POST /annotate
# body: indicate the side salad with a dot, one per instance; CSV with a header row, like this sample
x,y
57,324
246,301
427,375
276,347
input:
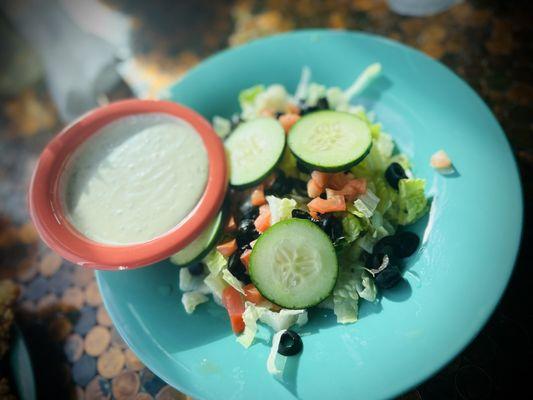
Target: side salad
x,y
317,195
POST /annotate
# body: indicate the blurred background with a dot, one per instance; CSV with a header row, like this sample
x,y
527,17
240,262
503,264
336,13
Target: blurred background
x,y
60,58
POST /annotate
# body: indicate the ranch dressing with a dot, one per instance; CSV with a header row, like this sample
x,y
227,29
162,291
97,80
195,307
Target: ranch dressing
x,y
135,179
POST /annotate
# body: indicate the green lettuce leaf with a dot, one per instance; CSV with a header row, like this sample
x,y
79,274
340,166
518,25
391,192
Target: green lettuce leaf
x,y
336,99
352,227
411,204
283,319
232,281
222,126
275,361
314,92
345,297
247,96
365,286
215,263
188,282
191,300
250,316
280,209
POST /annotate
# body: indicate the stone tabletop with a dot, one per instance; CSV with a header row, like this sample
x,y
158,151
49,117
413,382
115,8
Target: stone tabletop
x,y
74,347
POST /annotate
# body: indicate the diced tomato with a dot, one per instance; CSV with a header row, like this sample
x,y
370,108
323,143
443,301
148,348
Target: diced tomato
x,y
258,196
335,203
293,108
288,120
321,178
313,190
252,294
234,304
262,222
231,225
339,180
314,214
245,258
228,248
352,189
440,160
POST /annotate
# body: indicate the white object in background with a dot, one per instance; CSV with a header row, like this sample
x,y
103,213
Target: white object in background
x,y
98,19
79,67
421,8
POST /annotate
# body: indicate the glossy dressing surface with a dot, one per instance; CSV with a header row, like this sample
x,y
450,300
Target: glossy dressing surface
x,y
135,179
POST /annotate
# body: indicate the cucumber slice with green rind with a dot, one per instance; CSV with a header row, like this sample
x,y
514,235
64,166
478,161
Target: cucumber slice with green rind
x,y
199,247
254,149
293,264
330,141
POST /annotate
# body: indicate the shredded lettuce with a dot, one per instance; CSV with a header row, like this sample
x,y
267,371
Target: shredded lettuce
x,y
352,227
365,286
232,281
366,242
336,99
250,316
377,226
215,263
366,203
301,89
256,99
280,209
373,215
314,92
275,98
345,301
353,283
192,299
247,96
385,146
283,319
222,126
216,284
188,282
276,362
412,202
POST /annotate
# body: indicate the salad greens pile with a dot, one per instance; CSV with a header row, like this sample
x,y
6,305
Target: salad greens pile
x,y
367,221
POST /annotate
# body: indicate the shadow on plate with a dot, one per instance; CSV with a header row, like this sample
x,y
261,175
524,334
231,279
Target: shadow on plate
x,y
147,293
372,95
290,374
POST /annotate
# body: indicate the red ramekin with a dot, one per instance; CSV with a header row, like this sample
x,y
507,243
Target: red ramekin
x,y
56,231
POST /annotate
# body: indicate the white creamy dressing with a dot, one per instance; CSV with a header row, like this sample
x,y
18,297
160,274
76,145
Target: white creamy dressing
x,y
135,179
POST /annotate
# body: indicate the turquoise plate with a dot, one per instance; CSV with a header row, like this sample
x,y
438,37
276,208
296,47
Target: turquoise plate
x,y
470,238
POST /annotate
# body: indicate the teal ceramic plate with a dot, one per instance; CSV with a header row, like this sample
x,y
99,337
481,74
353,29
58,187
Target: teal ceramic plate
x,y
454,282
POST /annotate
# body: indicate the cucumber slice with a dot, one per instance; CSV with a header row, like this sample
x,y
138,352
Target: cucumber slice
x,y
330,141
293,264
200,246
254,149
